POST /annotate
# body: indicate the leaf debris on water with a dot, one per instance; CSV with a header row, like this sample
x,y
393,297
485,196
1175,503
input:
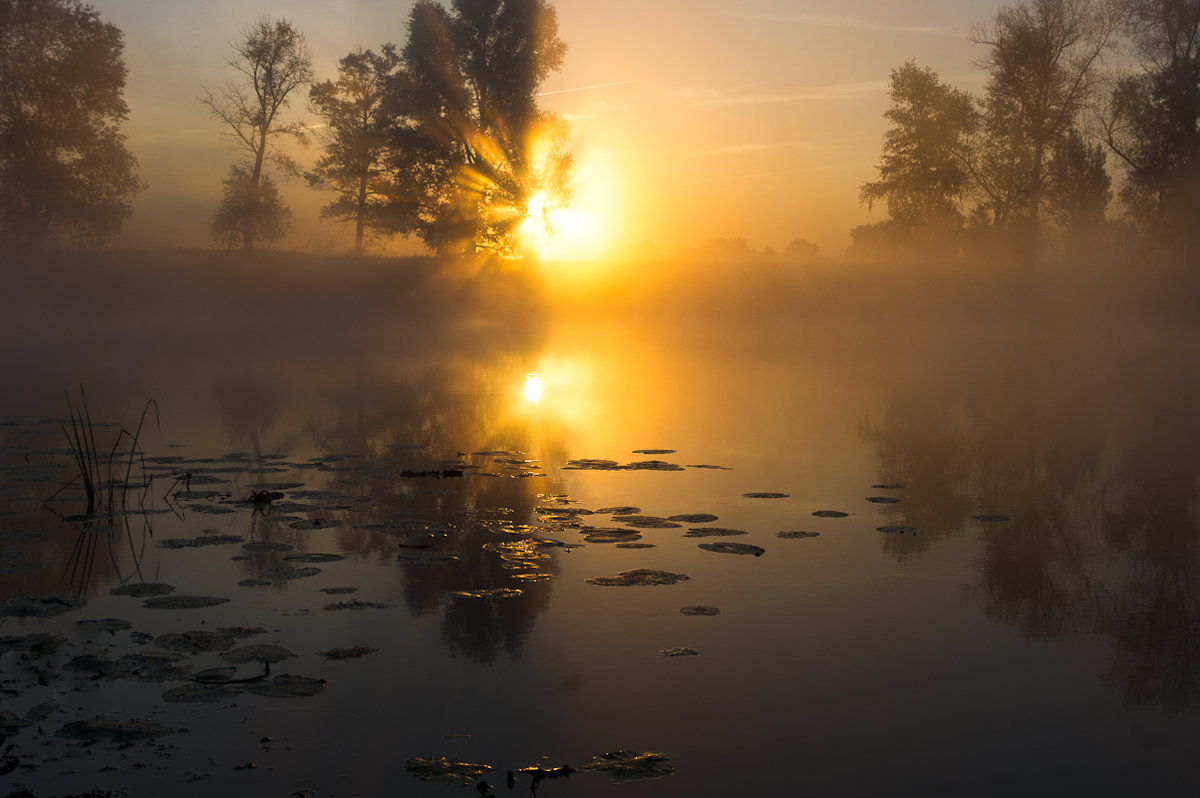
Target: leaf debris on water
x,y
630,766
725,547
445,771
638,577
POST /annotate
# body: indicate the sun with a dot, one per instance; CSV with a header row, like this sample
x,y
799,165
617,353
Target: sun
x,y
582,230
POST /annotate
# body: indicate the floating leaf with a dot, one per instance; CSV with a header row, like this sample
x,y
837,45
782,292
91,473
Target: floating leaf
x,y
445,771
896,528
259,652
489,593
713,532
646,521
654,451
104,625
201,693
794,535
681,651
267,545
883,499
830,514
118,731
182,602
765,495
693,518
619,511
354,652
630,766
286,686
699,609
143,589
722,547
195,642
639,577
313,557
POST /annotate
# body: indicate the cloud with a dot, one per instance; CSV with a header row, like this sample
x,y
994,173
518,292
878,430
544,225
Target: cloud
x,y
840,91
851,23
754,175
583,88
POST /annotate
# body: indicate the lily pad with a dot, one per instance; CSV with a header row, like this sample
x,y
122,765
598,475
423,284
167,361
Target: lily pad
x,y
182,602
654,451
713,532
610,535
897,528
195,642
338,591
143,589
765,495
638,577
883,499
723,547
104,625
286,686
445,771
624,766
618,511
489,593
201,693
315,523
693,518
10,723
635,545
286,571
830,514
203,540
355,604
313,557
646,521
117,731
39,643
40,606
353,652
796,534
215,675
699,609
266,545
888,486
681,651
259,652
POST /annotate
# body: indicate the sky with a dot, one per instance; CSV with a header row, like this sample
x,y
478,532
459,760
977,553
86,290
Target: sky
x,y
691,119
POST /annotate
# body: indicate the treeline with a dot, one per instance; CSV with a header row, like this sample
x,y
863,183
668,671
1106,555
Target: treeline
x,y
1022,172
441,138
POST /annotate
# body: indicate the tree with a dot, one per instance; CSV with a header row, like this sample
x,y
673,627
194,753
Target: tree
x,y
352,165
273,60
922,174
1154,122
471,152
1043,59
249,206
65,173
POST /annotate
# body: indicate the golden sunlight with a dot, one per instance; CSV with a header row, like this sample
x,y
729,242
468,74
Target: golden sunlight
x,y
533,387
586,228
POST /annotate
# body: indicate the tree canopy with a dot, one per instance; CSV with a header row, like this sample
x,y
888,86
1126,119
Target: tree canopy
x,y
65,172
471,153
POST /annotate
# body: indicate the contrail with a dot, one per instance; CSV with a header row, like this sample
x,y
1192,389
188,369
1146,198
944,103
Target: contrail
x,y
583,88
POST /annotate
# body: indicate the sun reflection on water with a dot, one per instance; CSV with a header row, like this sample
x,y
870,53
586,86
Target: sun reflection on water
x,y
533,387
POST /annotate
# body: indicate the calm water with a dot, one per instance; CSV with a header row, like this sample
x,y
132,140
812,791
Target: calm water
x,y
1053,653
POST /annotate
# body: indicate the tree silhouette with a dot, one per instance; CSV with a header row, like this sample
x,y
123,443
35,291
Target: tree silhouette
x,y
65,173
273,60
470,151
922,178
352,108
257,211
1153,125
1043,58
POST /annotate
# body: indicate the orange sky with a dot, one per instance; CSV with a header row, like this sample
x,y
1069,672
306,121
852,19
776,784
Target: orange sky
x,y
692,119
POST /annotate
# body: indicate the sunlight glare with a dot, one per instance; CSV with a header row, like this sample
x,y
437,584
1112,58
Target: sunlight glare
x,y
533,387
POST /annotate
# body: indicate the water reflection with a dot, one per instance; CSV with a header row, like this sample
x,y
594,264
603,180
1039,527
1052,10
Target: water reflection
x,y
1090,449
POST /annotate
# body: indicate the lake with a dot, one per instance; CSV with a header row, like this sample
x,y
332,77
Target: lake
x,y
939,548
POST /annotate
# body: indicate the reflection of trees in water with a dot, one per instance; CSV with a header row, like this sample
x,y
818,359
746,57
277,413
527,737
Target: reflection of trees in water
x,y
436,419
1099,469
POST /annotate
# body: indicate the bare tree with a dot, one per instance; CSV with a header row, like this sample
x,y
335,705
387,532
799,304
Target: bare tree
x,y
272,60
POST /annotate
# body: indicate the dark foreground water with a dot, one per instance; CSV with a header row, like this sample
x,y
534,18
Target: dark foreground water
x,y
996,592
